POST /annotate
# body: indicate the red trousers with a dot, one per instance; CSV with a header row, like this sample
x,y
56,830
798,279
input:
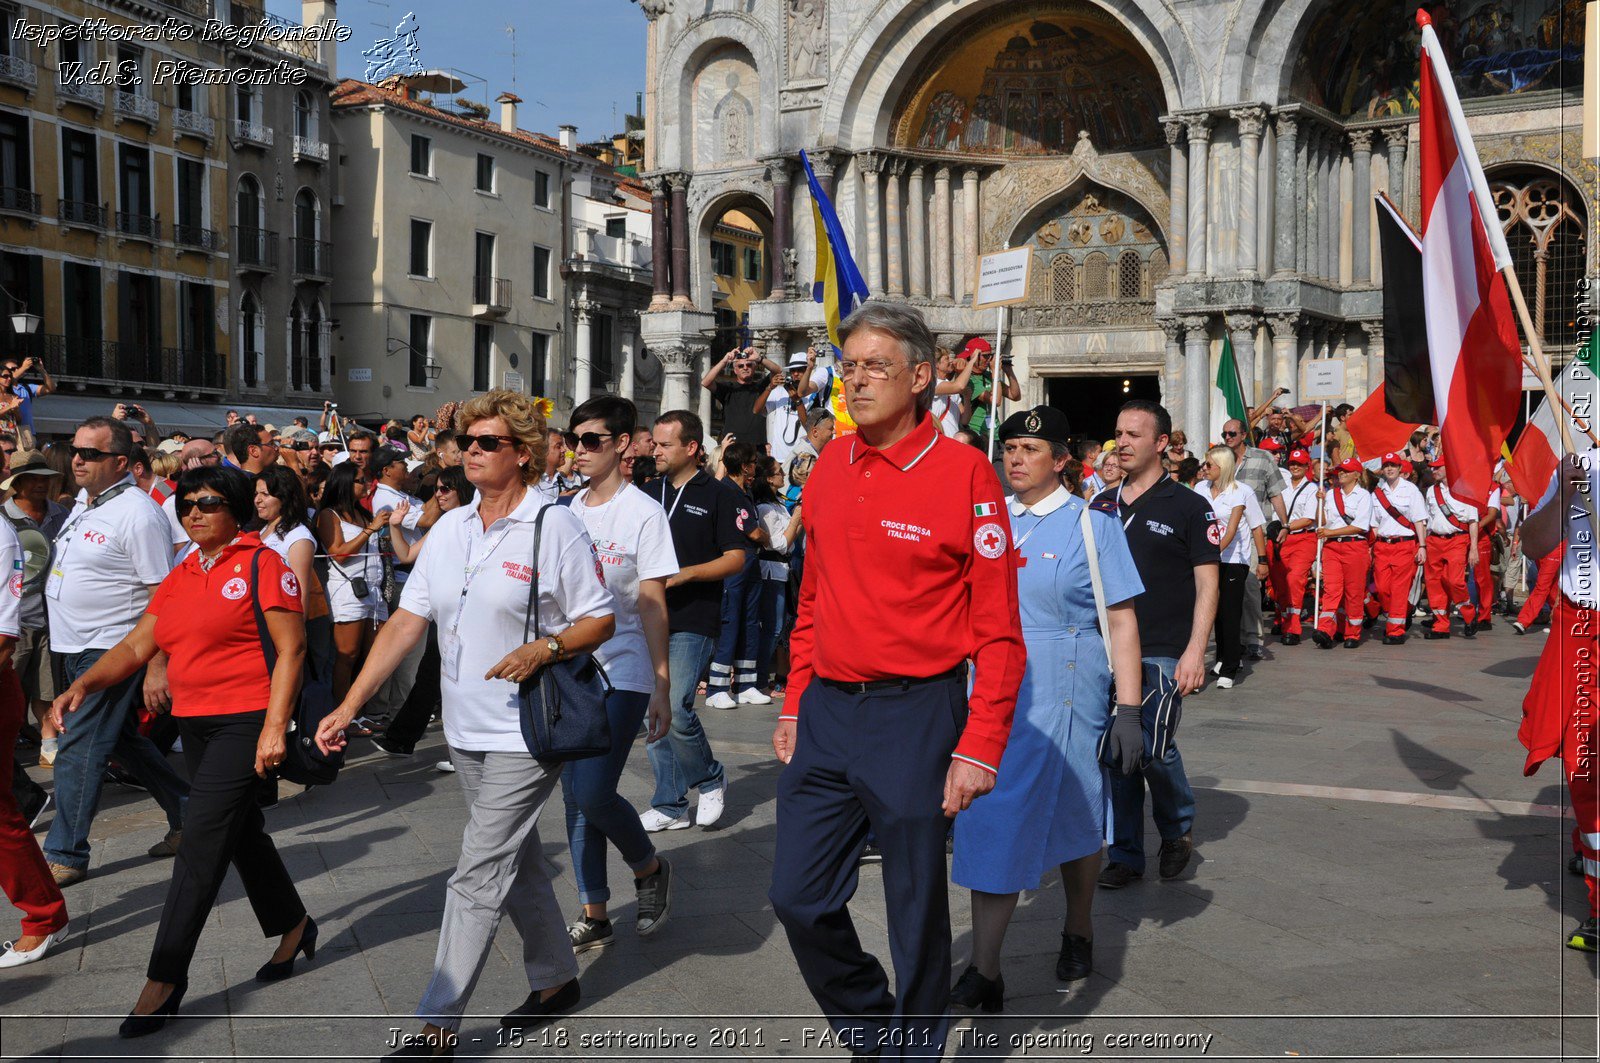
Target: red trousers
x,y
1447,579
1344,585
1290,569
24,875
1484,578
1394,566
1549,572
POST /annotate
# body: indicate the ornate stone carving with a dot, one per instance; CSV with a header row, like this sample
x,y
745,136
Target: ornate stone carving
x,y
1251,120
800,99
1242,324
677,180
1019,189
1199,128
817,336
808,40
1174,130
1173,329
779,170
654,9
1285,124
870,161
656,183
677,357
1361,140
1196,323
1397,136
1111,313
1374,331
1284,326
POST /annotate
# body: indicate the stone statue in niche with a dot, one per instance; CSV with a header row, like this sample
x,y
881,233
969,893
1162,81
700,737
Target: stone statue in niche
x,y
732,125
808,39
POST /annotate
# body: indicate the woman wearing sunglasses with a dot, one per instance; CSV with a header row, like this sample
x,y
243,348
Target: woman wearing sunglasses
x,y
1240,524
355,572
473,580
232,713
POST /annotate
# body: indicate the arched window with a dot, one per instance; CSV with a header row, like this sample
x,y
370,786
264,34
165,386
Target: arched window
x,y
1547,237
315,348
252,340
305,116
1097,276
307,215
1130,275
248,201
1063,279
297,342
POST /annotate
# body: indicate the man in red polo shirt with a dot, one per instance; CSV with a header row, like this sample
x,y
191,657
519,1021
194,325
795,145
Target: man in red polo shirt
x,y
908,576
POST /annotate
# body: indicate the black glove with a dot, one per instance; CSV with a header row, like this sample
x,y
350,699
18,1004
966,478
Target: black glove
x,y
1127,738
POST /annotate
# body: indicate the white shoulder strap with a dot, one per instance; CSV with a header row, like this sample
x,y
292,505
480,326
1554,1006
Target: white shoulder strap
x,y
1093,553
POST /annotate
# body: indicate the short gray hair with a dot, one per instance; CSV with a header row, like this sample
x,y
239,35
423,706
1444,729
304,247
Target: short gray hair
x,y
907,325
816,415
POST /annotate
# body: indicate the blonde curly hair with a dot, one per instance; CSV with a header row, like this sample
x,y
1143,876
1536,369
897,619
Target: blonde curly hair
x,y
524,423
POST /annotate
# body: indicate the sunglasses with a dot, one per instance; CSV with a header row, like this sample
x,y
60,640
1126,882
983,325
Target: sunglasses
x,y
588,441
91,454
207,504
486,443
1231,435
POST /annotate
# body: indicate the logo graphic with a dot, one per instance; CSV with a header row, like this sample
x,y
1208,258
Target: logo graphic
x,y
1214,533
235,589
1033,423
984,509
290,585
397,55
16,585
990,540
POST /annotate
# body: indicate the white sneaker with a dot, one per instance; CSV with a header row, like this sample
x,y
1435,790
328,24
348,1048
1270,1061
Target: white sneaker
x,y
753,697
653,820
1224,682
721,700
711,805
445,766
14,958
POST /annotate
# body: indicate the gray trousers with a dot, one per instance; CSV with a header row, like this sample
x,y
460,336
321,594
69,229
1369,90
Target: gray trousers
x,y
501,870
1251,630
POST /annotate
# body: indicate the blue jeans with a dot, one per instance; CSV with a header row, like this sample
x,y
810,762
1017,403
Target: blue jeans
x,y
774,598
595,811
104,724
683,759
734,663
1171,799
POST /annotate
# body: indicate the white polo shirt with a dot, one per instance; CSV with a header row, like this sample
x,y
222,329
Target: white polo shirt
x,y
1358,507
634,542
169,510
11,565
385,497
108,559
1301,501
1242,548
474,582
1440,501
1405,497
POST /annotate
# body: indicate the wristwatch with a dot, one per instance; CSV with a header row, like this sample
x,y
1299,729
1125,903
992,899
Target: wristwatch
x,y
557,650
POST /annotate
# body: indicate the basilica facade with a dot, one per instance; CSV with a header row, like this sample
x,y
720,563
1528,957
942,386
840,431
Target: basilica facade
x,y
1185,171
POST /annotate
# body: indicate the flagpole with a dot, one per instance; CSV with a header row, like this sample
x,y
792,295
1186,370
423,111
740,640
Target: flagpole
x,y
995,381
1321,487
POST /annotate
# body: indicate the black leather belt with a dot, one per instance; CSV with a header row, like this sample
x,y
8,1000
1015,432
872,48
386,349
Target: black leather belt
x,y
903,683
1444,535
1346,538
1397,538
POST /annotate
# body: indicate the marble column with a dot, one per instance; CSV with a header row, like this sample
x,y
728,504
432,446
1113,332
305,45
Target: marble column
x,y
1242,331
871,165
1302,205
1327,204
1286,354
1199,199
1178,224
1197,380
1395,138
1374,334
1251,120
627,354
660,245
682,293
583,349
1361,207
822,163
769,341
941,234
894,227
677,361
1266,201
967,269
782,212
1172,369
702,396
817,335
917,241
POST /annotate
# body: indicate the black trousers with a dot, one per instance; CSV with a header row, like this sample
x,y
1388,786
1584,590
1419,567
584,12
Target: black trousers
x,y
411,722
1230,614
222,824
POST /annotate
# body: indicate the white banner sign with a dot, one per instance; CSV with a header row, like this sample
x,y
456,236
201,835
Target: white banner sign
x,y
361,376
1530,379
512,381
1002,278
1322,380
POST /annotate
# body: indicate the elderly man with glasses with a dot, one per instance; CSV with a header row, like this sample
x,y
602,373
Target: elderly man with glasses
x,y
1257,470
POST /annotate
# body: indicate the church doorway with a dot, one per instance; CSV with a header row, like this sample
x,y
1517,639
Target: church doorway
x,y
1091,402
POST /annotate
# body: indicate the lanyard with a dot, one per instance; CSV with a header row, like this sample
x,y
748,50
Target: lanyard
x,y
1134,509
472,569
64,536
675,498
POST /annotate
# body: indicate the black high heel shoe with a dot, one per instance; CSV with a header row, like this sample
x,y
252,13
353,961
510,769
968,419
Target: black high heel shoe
x,y
973,990
277,972
140,1025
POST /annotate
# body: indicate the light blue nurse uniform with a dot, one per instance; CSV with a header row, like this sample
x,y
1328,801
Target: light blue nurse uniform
x,y
1049,803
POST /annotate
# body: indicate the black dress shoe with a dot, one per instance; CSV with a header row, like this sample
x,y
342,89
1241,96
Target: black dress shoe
x,y
277,972
536,1012
1351,644
1323,640
140,1025
1469,631
1115,876
973,990
1432,635
1291,640
1394,640
1077,957
1175,854
1485,625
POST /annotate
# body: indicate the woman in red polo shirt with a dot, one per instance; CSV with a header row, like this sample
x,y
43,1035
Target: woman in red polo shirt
x,y
232,715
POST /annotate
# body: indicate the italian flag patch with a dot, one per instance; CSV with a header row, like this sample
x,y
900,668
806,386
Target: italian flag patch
x,y
983,509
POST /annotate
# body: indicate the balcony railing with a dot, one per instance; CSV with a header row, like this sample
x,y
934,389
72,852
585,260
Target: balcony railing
x,y
72,357
19,201
138,226
84,215
136,105
84,92
195,370
197,236
255,249
491,294
308,150
310,257
194,123
113,362
17,71
253,133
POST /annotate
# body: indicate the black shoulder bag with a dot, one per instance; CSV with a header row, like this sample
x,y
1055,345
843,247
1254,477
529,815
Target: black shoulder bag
x,y
563,704
303,762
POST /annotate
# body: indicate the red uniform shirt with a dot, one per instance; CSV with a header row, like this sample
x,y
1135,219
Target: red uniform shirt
x,y
206,625
908,573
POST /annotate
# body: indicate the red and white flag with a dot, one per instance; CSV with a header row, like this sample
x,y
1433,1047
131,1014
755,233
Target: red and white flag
x,y
1472,332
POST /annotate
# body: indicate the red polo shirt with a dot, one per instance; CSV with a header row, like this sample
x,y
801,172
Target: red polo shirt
x,y
205,623
909,573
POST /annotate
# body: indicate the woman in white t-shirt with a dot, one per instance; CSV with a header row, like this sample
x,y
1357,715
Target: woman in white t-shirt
x,y
634,545
281,503
783,528
1239,523
950,393
355,572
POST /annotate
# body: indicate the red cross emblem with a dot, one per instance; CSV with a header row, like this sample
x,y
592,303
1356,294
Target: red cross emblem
x,y
990,540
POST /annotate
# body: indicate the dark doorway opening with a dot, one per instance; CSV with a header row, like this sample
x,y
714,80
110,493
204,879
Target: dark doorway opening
x,y
1091,402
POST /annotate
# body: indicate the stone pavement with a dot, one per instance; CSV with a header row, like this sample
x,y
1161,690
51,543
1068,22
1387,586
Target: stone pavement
x,y
1373,877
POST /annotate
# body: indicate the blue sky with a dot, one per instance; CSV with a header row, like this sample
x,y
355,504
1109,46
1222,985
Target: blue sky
x,y
578,61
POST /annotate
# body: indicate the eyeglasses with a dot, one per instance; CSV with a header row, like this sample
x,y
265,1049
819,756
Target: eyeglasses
x,y
91,454
207,504
588,441
213,456
876,369
486,443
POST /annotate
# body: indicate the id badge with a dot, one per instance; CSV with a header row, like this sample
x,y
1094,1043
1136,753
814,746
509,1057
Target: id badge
x,y
450,656
52,586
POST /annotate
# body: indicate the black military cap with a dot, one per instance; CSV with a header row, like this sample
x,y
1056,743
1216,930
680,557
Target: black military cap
x,y
1041,422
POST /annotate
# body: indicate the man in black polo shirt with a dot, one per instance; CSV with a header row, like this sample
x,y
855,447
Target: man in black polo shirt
x,y
744,398
1174,538
703,515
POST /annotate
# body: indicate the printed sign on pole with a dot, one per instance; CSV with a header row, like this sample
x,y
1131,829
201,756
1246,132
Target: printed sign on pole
x,y
1002,278
512,381
1322,380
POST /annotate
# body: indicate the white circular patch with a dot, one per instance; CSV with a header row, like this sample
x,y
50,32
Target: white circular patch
x,y
290,585
990,539
235,589
1214,533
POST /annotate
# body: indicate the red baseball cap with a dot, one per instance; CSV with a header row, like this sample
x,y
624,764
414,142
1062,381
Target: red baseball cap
x,y
1271,444
1299,457
1437,463
977,345
1406,467
1349,465
1392,458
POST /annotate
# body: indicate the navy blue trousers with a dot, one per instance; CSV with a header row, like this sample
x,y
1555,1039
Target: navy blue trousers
x,y
871,762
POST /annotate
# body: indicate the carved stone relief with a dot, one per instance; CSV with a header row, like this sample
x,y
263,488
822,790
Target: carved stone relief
x,y
1020,188
726,89
808,40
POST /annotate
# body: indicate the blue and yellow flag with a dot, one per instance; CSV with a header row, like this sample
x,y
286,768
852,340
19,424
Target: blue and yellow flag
x,y
838,285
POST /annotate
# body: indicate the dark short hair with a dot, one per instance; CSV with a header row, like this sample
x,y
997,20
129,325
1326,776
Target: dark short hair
x,y
690,428
1187,469
239,438
384,457
137,455
455,478
615,412
121,438
738,454
237,488
361,433
1154,409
